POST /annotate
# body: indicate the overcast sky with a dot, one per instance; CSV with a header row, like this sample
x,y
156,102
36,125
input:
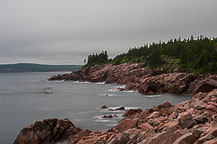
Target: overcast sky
x,y
66,31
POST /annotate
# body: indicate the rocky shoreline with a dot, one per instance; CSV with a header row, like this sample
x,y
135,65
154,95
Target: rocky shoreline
x,y
189,122
144,80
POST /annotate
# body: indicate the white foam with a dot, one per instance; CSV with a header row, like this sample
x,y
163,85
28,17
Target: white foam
x,y
112,90
100,83
130,91
57,81
152,96
116,116
121,87
81,82
132,108
126,108
102,120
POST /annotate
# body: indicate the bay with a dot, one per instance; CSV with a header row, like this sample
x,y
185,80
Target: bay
x,y
22,102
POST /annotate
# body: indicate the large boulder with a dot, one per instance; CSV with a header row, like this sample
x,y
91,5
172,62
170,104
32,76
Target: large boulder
x,y
46,132
125,124
131,112
205,85
169,83
186,120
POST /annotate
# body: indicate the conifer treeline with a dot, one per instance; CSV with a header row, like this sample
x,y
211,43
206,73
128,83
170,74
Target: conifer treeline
x,y
96,59
193,55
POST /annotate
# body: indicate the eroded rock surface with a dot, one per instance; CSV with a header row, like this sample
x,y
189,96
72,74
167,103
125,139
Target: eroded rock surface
x,y
144,80
46,132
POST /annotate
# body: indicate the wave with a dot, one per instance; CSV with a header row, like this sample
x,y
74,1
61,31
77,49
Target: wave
x,y
116,88
82,82
58,81
126,108
100,83
102,120
112,90
153,96
115,116
130,91
121,87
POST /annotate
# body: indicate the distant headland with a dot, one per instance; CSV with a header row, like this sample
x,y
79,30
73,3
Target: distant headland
x,y
32,67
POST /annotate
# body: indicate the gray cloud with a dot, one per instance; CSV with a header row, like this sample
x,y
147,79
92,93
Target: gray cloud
x,y
66,31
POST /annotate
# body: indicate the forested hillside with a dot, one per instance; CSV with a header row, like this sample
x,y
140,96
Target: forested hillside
x,y
191,55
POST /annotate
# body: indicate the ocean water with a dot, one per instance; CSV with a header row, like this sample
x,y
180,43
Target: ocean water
x,y
22,102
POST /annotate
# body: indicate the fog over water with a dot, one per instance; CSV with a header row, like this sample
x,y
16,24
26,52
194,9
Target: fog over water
x,y
66,31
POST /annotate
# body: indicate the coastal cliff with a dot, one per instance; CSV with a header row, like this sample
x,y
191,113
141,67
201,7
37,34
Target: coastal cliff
x,y
146,81
190,122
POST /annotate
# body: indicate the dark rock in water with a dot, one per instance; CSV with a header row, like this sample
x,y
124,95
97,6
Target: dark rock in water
x,y
120,108
109,116
104,107
111,110
46,132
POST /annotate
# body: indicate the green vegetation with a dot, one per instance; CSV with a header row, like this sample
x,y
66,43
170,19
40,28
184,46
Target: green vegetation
x,y
29,67
96,59
192,55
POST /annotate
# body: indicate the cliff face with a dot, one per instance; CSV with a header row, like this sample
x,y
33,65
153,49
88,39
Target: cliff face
x,y
190,122
144,80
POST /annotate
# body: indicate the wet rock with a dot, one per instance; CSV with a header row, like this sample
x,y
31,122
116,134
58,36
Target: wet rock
x,y
104,107
120,108
109,116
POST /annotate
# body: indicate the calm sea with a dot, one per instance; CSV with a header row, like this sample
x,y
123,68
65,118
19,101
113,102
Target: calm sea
x,y
22,102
